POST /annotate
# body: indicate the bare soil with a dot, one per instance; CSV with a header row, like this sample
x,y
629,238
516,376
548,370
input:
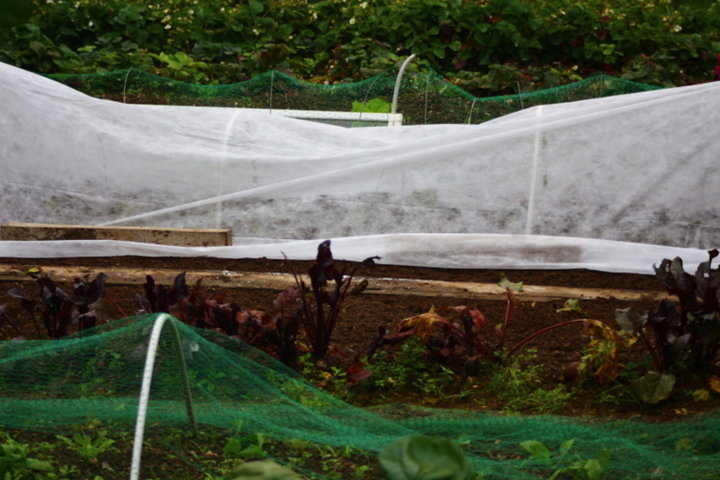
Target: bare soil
x,y
363,314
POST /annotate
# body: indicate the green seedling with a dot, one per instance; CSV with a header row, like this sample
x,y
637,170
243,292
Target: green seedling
x,y
572,305
419,457
246,447
264,470
87,446
563,463
16,463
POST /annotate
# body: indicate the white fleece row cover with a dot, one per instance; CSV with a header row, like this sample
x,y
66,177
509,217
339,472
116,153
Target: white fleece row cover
x,y
638,168
441,250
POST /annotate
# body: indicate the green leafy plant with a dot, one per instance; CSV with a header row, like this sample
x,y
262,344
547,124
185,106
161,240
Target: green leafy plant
x,y
653,387
16,462
89,447
564,464
406,368
333,461
521,388
462,332
572,305
419,457
334,379
183,67
263,470
375,105
245,446
488,47
601,358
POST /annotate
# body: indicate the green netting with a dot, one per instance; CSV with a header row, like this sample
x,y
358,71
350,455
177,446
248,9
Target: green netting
x,y
53,385
424,97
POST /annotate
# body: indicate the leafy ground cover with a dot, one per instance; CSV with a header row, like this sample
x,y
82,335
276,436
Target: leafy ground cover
x,y
385,349
102,451
486,47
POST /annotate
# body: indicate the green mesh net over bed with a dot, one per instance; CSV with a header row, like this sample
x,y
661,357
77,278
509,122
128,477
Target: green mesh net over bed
x,y
423,97
55,385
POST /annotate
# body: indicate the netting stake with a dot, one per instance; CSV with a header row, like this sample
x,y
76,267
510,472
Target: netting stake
x,y
472,107
146,383
367,92
427,89
125,84
398,81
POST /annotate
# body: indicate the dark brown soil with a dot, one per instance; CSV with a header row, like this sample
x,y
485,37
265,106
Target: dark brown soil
x,y
363,314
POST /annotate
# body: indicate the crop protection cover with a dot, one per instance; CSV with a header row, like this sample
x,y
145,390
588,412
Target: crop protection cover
x,y
592,184
635,169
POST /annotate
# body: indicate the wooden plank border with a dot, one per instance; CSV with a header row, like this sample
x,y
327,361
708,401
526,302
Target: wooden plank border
x,y
376,285
189,237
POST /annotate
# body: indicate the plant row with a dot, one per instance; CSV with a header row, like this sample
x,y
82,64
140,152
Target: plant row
x,y
99,451
486,46
102,451
454,342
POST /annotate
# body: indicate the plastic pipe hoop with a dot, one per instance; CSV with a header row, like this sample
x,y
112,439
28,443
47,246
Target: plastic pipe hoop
x,y
147,382
398,81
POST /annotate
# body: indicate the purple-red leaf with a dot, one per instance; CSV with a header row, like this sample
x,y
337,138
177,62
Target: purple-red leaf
x,y
357,372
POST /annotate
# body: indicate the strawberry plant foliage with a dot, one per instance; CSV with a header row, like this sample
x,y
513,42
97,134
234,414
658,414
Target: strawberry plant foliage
x,y
489,47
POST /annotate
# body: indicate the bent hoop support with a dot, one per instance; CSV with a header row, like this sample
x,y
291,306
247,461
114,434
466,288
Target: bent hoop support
x,y
398,81
147,381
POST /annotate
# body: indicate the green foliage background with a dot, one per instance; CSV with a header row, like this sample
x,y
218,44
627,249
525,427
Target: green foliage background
x,y
484,46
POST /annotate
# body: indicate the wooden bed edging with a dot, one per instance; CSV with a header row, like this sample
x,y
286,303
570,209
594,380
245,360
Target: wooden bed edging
x,y
376,285
189,237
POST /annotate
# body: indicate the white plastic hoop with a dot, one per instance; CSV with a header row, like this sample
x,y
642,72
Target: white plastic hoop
x,y
147,382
